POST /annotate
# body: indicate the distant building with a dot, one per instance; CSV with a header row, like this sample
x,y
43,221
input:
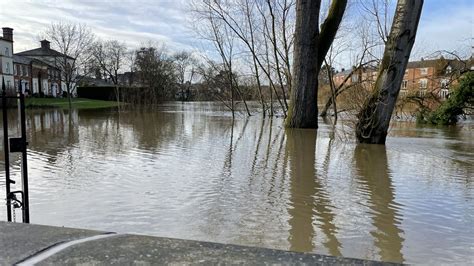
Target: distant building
x,y
6,58
45,69
129,79
432,76
421,77
36,77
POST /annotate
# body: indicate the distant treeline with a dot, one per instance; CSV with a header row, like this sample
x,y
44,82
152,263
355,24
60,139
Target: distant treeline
x,y
147,96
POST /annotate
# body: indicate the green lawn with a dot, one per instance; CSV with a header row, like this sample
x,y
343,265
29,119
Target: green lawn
x,y
79,103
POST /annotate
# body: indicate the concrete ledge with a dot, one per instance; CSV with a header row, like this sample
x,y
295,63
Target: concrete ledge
x,y
20,242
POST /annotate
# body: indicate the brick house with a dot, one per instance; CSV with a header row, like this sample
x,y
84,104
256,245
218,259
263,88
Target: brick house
x,y
36,77
422,78
432,77
45,69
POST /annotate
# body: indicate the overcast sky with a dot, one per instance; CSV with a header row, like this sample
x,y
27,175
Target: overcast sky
x,y
444,24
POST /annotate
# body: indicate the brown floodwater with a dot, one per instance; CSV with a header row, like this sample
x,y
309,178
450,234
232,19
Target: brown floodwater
x,y
186,171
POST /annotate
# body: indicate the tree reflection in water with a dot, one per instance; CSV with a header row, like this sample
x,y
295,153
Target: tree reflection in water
x,y
375,180
309,200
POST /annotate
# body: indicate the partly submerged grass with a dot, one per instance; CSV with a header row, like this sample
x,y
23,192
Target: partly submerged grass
x,y
79,103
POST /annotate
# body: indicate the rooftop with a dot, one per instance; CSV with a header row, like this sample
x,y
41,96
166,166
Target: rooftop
x,y
44,50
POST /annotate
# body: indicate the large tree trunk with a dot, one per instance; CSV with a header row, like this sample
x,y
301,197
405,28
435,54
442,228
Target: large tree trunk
x,y
303,107
374,118
310,49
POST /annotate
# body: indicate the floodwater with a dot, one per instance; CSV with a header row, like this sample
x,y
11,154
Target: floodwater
x,y
186,171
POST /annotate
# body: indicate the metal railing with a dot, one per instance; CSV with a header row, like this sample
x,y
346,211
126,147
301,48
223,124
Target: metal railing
x,y
15,199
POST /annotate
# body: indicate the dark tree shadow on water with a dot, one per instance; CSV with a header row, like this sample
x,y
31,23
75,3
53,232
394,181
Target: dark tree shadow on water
x,y
309,199
375,181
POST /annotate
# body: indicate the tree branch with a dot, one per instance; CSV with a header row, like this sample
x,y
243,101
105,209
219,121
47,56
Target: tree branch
x,y
329,28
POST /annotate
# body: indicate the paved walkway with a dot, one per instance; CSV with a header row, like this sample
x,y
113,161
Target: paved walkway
x,y
45,245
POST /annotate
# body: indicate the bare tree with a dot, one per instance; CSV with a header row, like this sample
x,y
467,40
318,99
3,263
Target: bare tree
x,y
310,49
184,63
110,56
234,20
374,118
156,73
73,41
220,34
358,41
273,40
249,7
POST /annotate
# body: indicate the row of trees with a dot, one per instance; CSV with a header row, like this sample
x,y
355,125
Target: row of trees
x,y
287,43
85,55
159,74
276,48
252,38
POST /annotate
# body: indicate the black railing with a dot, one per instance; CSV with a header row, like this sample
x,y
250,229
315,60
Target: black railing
x,y
11,145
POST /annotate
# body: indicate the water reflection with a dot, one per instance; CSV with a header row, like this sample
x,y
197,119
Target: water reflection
x,y
309,199
189,171
375,180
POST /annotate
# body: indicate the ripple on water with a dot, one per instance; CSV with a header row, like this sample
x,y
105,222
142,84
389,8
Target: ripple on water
x,y
189,173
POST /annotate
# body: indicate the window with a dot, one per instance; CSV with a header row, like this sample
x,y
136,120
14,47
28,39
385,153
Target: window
x,y
7,69
9,84
444,84
404,84
423,83
449,69
15,68
424,71
7,51
23,71
354,78
443,94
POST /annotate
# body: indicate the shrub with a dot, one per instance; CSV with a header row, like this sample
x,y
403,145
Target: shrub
x,y
462,97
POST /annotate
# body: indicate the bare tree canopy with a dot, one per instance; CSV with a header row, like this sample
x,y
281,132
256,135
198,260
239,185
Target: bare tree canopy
x,y
73,41
110,56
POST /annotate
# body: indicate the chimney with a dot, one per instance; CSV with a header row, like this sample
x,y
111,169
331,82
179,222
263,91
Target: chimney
x,y
8,34
45,44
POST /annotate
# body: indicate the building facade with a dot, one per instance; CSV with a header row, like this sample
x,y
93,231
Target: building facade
x,y
46,67
432,77
6,58
421,79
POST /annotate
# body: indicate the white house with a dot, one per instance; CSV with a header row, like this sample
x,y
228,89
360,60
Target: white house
x,y
6,58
